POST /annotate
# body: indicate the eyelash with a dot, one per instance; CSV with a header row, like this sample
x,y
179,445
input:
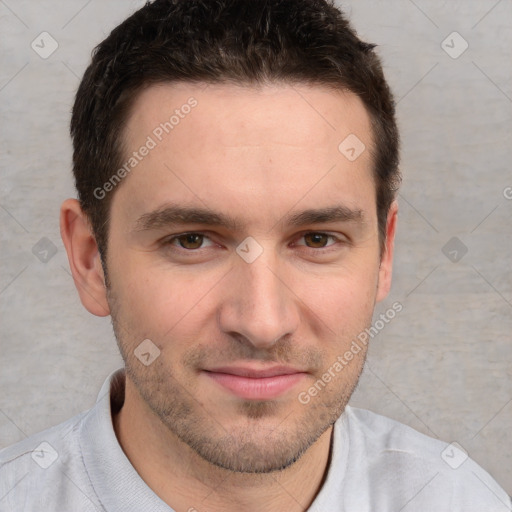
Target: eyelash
x,y
169,242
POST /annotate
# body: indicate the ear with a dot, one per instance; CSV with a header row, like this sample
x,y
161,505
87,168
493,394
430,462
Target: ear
x,y
386,264
84,258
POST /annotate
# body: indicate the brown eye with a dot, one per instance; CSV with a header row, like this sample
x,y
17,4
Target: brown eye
x,y
190,240
317,240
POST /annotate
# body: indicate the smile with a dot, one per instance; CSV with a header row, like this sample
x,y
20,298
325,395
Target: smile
x,y
256,385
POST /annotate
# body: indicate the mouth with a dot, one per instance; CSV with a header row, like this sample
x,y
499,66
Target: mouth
x,y
253,383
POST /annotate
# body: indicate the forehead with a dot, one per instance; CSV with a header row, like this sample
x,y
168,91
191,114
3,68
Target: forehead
x,y
246,147
229,114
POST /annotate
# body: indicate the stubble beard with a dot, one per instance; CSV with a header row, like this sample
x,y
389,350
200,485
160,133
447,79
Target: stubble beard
x,y
260,443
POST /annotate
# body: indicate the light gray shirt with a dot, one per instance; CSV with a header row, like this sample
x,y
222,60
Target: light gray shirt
x,y
376,465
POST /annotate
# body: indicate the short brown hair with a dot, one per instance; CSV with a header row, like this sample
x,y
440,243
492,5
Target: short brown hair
x,y
223,41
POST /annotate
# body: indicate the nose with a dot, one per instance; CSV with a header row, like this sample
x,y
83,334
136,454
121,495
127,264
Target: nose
x,y
260,305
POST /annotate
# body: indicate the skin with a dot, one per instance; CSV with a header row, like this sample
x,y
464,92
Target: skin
x,y
259,155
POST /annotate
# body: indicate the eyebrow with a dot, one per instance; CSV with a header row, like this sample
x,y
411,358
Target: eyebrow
x,y
174,215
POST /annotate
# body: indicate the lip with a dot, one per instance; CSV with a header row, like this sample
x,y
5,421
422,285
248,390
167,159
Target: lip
x,y
256,383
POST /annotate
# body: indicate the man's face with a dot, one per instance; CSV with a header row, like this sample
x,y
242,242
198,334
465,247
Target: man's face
x,y
244,326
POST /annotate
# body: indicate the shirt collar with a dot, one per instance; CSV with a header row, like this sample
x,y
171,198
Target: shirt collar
x,y
115,481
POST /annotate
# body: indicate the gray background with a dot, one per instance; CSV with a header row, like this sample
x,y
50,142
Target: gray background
x,y
442,366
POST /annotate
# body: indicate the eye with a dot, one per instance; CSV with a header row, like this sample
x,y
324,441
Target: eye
x,y
188,241
317,240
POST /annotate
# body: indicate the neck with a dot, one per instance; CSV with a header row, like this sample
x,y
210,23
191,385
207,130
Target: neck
x,y
186,482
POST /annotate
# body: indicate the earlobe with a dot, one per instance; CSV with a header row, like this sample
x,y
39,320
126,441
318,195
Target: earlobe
x,y
84,258
386,264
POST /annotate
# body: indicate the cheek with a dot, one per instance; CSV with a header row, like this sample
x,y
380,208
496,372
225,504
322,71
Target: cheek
x,y
342,298
158,300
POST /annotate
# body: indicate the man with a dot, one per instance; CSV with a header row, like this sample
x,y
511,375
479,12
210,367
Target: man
x,y
236,164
